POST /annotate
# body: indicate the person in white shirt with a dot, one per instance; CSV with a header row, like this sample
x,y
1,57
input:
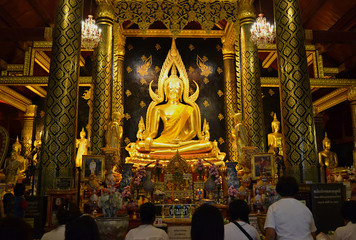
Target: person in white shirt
x,y
288,218
238,213
146,231
347,232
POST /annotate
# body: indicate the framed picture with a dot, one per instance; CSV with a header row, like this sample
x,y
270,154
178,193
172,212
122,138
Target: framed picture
x,y
55,200
262,165
93,164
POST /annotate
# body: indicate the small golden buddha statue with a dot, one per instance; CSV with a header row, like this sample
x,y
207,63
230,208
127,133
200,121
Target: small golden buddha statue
x,y
82,144
326,157
173,106
275,138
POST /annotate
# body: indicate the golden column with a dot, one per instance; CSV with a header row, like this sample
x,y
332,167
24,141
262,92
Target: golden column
x,y
118,77
27,130
251,82
102,76
298,127
230,99
352,99
58,141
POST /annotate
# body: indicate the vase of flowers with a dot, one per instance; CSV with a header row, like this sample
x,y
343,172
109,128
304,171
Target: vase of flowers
x,y
199,168
138,180
113,228
232,192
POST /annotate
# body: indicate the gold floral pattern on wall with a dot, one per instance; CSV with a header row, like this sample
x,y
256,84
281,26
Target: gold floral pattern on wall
x,y
191,70
142,104
127,116
128,93
271,92
219,70
143,69
221,140
129,47
206,80
129,69
218,47
220,93
191,47
127,140
157,46
143,81
205,70
220,116
206,103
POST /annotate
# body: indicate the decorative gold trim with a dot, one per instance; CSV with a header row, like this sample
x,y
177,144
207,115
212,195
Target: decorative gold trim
x,y
38,90
271,57
43,60
14,99
36,80
314,82
167,33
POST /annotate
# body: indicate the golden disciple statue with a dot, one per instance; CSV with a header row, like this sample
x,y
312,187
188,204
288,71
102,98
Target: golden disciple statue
x,y
82,144
275,138
114,131
240,134
326,157
176,109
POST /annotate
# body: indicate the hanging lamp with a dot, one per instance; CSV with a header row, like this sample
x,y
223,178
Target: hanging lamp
x,y
91,34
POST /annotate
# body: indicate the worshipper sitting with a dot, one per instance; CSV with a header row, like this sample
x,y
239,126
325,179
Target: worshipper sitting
x,y
82,228
207,223
20,204
288,218
14,228
65,213
347,232
239,227
146,231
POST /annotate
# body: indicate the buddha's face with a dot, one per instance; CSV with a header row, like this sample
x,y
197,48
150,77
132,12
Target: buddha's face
x,y
82,134
275,127
327,145
174,89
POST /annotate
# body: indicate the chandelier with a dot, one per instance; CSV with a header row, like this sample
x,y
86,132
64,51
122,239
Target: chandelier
x,y
91,35
262,33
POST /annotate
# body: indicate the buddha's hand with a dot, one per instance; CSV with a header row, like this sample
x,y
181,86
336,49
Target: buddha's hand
x,y
148,142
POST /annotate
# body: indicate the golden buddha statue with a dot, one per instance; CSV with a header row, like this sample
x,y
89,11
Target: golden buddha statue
x,y
326,157
239,135
275,138
114,131
180,115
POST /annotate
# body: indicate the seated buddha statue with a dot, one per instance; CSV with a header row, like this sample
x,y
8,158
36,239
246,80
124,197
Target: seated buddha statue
x,y
275,138
327,158
175,109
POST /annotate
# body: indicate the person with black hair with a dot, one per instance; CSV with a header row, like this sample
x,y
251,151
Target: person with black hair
x,y
207,223
146,230
82,228
65,213
238,213
347,232
288,218
20,203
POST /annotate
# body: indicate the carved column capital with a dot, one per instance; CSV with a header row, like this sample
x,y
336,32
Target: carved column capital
x,y
105,10
228,41
31,111
351,95
246,9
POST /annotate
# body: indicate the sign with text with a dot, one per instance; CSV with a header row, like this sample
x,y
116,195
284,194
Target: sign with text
x,y
175,210
327,200
179,232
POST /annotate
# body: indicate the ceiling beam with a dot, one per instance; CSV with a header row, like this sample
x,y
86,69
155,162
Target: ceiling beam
x,y
42,12
43,60
335,97
38,90
269,59
311,10
347,21
333,37
25,34
13,98
167,33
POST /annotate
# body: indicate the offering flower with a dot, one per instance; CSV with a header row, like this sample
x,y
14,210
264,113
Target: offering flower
x,y
140,174
232,192
199,168
110,202
126,193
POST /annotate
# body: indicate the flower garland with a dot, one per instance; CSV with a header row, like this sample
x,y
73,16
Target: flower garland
x,y
232,192
140,174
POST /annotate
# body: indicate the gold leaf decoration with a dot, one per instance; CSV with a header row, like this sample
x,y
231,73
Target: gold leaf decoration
x,y
220,93
205,70
191,91
191,69
147,62
143,81
127,140
127,116
176,14
220,116
206,80
206,104
157,46
271,92
191,47
219,70
221,140
218,47
129,69
157,69
128,93
142,104
129,47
